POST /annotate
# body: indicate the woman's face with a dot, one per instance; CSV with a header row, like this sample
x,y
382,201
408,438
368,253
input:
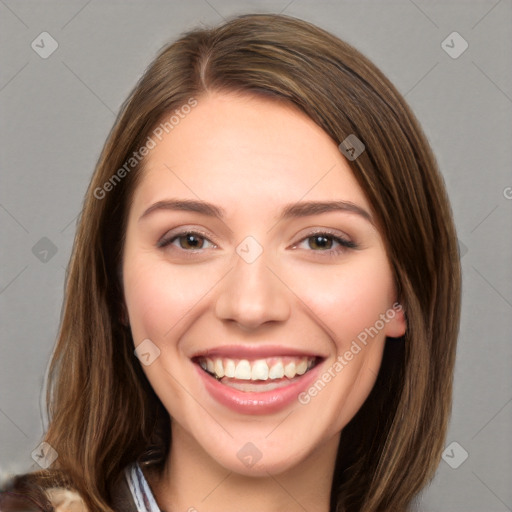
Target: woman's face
x,y
259,318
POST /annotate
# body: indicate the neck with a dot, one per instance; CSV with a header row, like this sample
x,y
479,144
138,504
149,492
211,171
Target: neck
x,y
194,482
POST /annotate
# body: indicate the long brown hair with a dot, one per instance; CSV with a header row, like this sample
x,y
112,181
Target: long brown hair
x,y
103,412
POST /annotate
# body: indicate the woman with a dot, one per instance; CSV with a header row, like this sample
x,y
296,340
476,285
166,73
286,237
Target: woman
x,y
266,255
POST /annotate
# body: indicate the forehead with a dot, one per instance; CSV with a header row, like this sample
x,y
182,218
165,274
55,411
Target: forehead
x,y
241,149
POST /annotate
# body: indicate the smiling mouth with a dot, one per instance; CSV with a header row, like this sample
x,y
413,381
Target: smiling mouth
x,y
257,375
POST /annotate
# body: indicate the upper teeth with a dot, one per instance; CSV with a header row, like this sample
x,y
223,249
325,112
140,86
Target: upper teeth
x,y
260,369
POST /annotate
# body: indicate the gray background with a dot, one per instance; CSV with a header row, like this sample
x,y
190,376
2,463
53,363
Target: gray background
x,y
56,113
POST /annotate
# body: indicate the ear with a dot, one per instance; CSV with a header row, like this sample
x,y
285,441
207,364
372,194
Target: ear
x,y
397,323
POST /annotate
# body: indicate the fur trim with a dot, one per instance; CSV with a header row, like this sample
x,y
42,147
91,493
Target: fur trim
x,y
65,500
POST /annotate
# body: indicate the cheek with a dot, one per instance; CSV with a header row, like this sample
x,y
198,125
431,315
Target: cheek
x,y
159,296
347,299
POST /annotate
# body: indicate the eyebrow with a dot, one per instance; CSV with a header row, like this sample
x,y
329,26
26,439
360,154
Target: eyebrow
x,y
294,210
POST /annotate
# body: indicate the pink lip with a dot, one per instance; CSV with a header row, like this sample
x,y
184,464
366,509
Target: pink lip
x,y
253,352
265,402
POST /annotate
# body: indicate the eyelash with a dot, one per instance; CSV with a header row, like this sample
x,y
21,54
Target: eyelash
x,y
344,243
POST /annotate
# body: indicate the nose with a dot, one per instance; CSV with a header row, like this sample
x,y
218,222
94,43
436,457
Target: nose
x,y
252,295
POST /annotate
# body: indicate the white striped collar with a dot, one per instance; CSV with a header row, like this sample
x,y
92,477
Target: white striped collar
x,y
139,487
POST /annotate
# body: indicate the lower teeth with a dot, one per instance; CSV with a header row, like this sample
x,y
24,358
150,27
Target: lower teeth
x,y
255,386
249,386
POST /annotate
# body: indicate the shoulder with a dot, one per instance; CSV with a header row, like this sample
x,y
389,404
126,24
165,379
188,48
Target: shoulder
x,y
34,493
65,500
54,499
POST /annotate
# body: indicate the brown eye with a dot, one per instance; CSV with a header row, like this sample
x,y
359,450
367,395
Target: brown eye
x,y
191,241
328,243
188,241
320,241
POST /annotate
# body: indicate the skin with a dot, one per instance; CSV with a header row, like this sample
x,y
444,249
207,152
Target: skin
x,y
252,156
